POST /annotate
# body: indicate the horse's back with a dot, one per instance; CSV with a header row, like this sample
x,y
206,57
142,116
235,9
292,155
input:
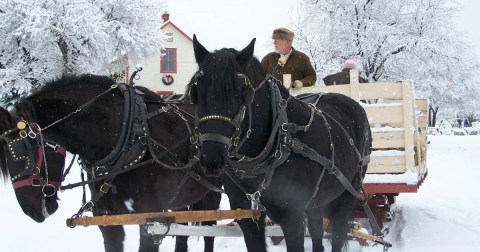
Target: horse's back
x,y
347,112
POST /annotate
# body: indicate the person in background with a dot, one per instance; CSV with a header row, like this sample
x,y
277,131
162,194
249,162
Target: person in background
x,y
286,63
343,77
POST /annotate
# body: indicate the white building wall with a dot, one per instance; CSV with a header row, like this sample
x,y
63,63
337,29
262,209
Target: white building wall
x,y
151,77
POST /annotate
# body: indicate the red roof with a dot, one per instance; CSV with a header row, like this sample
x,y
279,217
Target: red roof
x,y
176,28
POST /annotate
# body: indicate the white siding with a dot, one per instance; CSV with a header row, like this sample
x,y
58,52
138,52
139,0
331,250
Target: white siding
x,y
151,77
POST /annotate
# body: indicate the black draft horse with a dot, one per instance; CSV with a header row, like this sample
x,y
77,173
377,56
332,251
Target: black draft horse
x,y
263,142
87,115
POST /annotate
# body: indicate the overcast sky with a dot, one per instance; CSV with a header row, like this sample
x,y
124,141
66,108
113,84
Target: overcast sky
x,y
220,23
468,21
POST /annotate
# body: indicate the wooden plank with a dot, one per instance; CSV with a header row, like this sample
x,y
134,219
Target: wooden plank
x,y
385,115
354,85
422,106
410,124
422,120
390,187
381,90
180,217
366,91
387,164
388,140
341,89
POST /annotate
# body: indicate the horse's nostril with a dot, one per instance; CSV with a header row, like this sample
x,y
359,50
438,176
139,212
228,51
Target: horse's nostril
x,y
212,162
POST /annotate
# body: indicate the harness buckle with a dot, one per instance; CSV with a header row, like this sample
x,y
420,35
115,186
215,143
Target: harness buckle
x,y
22,134
278,154
105,187
235,141
239,173
255,201
37,181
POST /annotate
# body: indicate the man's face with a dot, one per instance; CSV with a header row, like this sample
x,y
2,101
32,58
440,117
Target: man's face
x,y
282,46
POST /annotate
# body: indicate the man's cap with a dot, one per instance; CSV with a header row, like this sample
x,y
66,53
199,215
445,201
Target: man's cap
x,y
283,33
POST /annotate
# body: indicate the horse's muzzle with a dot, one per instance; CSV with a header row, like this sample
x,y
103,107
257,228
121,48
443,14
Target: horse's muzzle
x,y
212,165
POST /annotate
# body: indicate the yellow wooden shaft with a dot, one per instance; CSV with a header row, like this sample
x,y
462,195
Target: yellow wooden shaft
x,y
180,217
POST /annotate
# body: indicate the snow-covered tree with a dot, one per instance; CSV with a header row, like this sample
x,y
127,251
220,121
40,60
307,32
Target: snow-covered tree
x,y
42,40
391,40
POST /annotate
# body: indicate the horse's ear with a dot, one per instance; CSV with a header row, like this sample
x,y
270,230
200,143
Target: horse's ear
x,y
244,56
200,51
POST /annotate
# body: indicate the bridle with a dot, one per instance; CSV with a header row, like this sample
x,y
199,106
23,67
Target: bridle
x,y
20,148
236,121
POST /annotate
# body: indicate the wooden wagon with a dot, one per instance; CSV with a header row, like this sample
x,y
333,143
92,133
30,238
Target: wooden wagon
x,y
399,124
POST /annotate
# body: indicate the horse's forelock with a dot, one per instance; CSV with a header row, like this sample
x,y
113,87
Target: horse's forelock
x,y
220,70
26,110
6,123
3,165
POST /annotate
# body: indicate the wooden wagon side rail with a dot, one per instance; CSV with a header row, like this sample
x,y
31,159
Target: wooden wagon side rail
x,y
398,123
179,217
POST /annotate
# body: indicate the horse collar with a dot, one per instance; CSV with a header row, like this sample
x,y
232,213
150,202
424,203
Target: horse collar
x,y
129,148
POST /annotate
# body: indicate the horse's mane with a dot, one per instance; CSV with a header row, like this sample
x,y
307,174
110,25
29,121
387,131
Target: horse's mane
x,y
62,88
65,85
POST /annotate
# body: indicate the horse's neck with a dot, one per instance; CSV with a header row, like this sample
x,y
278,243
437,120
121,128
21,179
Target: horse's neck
x,y
89,132
262,117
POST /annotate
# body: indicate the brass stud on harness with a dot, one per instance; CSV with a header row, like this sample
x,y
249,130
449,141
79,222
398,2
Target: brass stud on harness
x,y
21,125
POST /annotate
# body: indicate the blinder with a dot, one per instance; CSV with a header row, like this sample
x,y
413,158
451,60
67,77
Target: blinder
x,y
193,88
20,149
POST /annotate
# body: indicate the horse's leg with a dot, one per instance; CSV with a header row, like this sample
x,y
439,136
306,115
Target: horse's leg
x,y
254,233
181,243
147,242
253,230
339,212
210,202
315,228
293,226
113,237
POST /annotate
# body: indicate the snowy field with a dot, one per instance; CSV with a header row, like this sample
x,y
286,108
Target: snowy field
x,y
443,216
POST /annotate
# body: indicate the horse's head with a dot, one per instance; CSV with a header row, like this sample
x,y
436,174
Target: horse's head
x,y
221,90
23,158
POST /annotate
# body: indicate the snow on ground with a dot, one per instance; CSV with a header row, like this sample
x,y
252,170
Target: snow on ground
x,y
443,216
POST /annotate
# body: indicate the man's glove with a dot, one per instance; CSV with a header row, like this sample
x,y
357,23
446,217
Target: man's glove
x,y
297,84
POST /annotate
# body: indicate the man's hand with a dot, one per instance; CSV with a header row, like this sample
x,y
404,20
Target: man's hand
x,y
297,84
